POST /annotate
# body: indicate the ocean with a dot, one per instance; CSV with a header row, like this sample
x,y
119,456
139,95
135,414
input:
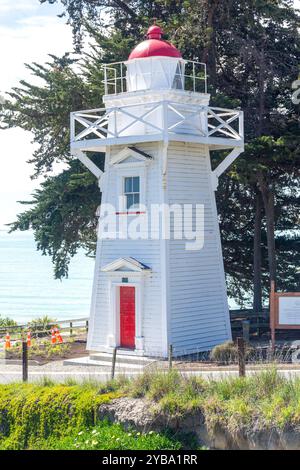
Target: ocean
x,y
27,286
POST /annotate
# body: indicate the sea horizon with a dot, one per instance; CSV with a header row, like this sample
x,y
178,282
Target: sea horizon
x,y
28,289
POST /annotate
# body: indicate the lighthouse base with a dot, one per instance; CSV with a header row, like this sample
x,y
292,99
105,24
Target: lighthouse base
x,y
155,291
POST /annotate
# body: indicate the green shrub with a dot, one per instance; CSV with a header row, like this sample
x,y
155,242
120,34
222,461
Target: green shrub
x,y
155,384
107,436
41,349
6,322
41,326
30,412
141,385
225,353
162,383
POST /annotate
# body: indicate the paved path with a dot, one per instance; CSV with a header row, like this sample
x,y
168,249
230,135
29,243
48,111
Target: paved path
x,y
57,372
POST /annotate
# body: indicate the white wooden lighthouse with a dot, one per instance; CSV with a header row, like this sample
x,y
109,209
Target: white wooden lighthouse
x,y
160,286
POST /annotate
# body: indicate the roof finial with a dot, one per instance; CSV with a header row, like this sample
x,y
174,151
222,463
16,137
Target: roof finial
x,y
154,32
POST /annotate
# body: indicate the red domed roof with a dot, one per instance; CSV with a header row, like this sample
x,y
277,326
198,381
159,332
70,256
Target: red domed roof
x,y
154,46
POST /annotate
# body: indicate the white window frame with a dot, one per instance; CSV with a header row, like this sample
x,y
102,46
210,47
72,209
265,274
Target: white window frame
x,y
132,193
130,170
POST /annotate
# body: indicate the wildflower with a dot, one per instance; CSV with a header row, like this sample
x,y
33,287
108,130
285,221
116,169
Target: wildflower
x,y
86,442
129,434
79,434
151,432
94,431
94,443
118,439
138,433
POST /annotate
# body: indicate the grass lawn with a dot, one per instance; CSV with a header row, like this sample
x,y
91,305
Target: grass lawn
x,y
107,436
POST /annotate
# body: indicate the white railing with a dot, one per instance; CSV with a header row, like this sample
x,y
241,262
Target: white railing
x,y
190,76
157,118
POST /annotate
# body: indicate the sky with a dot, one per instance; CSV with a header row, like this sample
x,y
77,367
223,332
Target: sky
x,y
28,31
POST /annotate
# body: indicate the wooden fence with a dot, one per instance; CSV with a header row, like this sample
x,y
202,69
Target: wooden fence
x,y
71,326
258,321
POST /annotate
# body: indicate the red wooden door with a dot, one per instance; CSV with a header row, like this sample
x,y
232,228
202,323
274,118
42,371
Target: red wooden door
x,y
127,317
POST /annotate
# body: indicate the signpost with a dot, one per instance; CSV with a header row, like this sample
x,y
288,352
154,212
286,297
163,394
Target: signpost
x,y
284,311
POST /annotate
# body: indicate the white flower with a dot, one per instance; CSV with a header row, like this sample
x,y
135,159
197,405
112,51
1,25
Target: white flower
x,y
94,443
79,434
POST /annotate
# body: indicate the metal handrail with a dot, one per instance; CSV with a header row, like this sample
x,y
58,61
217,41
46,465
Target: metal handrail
x,y
117,68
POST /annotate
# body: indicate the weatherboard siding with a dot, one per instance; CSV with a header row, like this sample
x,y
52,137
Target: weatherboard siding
x,y
193,284
198,311
145,251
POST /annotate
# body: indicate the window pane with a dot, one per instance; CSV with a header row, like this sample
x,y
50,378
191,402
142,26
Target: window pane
x,y
136,200
129,200
136,184
128,185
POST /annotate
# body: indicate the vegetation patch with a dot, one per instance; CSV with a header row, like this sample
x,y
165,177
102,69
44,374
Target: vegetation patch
x,y
227,353
42,326
108,436
42,351
7,322
262,401
66,416
32,412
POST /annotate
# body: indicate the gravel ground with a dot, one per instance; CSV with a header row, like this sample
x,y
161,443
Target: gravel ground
x,y
60,373
55,371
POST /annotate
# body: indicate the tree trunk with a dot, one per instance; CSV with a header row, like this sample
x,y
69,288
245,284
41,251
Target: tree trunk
x,y
261,86
257,296
209,54
268,200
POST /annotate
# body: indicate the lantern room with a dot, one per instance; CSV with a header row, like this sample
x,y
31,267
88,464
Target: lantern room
x,y
155,64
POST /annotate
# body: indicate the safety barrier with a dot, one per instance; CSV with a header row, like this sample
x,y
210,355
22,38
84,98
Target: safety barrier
x,y
56,330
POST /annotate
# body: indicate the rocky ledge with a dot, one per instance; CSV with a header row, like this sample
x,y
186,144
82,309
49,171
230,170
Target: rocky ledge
x,y
145,416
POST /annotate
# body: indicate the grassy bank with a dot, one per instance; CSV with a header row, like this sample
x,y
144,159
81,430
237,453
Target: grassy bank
x,y
65,416
265,400
50,416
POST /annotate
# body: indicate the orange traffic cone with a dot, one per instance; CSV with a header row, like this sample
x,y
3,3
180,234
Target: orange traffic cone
x,y
53,337
7,341
28,339
58,336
